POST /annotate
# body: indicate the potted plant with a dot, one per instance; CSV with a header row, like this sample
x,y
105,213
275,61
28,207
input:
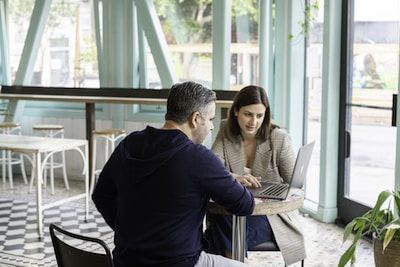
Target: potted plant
x,y
383,223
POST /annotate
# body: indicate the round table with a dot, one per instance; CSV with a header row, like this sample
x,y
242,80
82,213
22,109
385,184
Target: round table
x,y
263,206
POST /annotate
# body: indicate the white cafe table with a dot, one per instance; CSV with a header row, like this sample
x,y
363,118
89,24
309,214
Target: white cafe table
x,y
35,146
294,201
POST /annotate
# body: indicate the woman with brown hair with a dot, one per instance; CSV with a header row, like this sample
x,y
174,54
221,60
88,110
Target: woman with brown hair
x,y
254,150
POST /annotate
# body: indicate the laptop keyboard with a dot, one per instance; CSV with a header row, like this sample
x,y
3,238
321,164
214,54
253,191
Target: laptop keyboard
x,y
274,190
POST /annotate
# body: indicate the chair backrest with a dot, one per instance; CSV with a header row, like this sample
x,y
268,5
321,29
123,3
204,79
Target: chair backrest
x,y
266,246
71,256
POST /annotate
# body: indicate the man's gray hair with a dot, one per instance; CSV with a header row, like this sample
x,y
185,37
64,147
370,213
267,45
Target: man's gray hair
x,y
186,98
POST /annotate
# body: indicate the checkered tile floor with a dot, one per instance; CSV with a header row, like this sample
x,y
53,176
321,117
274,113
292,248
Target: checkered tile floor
x,y
19,242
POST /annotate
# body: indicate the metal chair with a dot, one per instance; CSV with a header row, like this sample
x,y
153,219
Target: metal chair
x,y
68,255
7,159
269,246
53,131
110,137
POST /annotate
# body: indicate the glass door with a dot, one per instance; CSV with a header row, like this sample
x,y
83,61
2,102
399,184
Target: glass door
x,y
369,81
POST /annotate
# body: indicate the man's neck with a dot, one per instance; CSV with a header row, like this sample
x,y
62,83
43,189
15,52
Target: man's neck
x,y
171,125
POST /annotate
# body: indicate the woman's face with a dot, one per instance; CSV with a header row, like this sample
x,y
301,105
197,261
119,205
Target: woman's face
x,y
250,119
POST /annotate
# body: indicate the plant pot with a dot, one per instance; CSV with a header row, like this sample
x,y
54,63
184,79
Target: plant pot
x,y
391,255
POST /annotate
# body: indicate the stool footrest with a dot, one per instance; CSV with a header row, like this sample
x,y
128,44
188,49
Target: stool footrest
x,y
55,165
13,161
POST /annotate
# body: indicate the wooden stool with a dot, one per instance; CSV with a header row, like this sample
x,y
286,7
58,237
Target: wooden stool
x,y
6,156
111,136
53,131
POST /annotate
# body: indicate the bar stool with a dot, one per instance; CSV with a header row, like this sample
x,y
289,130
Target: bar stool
x,y
7,159
110,136
52,131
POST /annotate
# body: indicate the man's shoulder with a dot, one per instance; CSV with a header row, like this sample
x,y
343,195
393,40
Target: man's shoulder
x,y
137,133
200,153
199,149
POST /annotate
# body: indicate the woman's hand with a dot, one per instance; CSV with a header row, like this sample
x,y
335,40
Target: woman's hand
x,y
248,180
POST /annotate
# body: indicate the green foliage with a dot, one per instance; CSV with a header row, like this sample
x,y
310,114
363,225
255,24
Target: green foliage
x,y
189,21
89,55
390,76
310,13
310,16
185,21
382,221
248,8
22,11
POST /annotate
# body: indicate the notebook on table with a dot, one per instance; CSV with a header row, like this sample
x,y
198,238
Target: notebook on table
x,y
281,190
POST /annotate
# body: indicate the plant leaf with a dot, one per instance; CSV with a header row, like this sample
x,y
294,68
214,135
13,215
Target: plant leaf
x,y
347,255
347,230
382,220
393,225
388,237
391,230
383,196
396,210
360,223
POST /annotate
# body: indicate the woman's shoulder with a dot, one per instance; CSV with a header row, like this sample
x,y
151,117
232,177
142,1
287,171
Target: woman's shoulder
x,y
224,128
279,135
277,131
224,133
223,124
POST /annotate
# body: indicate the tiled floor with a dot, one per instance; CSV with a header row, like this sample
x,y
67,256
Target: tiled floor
x,y
323,241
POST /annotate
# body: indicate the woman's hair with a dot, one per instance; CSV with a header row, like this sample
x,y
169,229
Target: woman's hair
x,y
250,95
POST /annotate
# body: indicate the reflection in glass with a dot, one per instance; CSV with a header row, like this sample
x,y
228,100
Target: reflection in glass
x,y
375,79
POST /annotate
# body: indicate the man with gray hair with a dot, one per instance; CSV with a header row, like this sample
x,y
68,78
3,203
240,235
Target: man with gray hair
x,y
154,189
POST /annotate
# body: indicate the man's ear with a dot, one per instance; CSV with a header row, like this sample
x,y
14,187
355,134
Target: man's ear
x,y
193,119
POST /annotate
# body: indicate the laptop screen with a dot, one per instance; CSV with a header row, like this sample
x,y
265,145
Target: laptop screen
x,y
280,191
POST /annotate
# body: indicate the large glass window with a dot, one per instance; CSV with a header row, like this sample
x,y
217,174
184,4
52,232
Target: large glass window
x,y
67,54
20,12
244,50
314,89
375,76
187,29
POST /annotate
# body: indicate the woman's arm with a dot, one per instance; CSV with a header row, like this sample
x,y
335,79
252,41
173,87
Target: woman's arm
x,y
248,180
286,158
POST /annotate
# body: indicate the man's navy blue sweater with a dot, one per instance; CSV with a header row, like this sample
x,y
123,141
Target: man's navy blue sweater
x,y
153,193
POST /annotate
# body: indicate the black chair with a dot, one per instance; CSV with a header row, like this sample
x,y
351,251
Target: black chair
x,y
70,256
269,246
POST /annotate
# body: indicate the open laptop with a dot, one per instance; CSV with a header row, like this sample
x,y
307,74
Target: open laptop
x,y
281,190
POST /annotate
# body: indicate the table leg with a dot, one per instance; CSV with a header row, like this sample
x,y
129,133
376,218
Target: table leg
x,y
234,238
238,237
39,213
9,167
86,166
90,126
3,162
